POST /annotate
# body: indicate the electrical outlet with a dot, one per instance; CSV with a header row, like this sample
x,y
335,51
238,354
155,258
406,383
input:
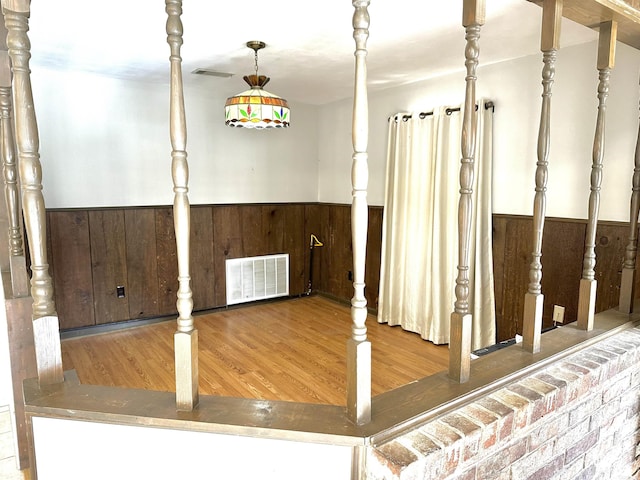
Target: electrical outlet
x,y
558,314
120,291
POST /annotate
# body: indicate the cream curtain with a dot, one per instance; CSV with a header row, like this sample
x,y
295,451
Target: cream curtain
x,y
420,226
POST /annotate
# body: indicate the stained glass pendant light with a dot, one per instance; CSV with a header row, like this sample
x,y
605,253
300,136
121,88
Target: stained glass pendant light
x,y
256,108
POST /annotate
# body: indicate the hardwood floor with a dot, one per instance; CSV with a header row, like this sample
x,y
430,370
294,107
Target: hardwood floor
x,y
286,350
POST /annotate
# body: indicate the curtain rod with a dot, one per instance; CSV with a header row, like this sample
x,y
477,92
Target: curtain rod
x,y
448,111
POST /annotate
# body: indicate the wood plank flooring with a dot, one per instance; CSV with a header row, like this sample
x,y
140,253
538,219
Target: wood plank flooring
x,y
290,350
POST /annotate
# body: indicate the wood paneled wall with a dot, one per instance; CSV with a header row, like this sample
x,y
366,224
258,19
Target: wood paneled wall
x,y
562,252
333,262
94,251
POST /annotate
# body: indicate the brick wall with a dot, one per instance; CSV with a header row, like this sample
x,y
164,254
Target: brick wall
x,y
576,419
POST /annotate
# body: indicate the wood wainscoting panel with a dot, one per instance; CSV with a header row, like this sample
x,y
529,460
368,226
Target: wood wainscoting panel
x,y
227,232
273,228
516,257
256,230
499,238
341,252
135,247
295,244
142,262
252,236
201,258
374,257
109,264
562,254
316,222
611,242
70,251
166,251
332,263
282,231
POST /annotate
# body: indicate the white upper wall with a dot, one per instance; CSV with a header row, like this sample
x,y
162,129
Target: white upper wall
x,y
105,142
515,87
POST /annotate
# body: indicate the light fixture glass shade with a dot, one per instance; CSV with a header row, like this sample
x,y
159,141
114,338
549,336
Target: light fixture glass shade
x,y
257,108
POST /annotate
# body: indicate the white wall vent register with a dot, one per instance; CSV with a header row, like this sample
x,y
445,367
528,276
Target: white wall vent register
x,y
257,278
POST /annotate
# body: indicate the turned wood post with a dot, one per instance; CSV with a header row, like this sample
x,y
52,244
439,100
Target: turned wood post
x,y
534,299
186,336
358,347
45,321
15,247
628,280
473,17
588,282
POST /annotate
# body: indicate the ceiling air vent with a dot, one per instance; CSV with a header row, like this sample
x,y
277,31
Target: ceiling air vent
x,y
211,73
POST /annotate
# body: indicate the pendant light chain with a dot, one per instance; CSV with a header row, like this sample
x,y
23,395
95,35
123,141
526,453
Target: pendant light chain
x,y
256,60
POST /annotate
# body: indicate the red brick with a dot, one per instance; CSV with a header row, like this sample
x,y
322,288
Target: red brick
x,y
585,407
469,475
576,435
494,464
461,424
529,394
537,401
489,422
441,433
548,428
610,347
547,377
549,470
421,443
533,461
450,440
517,450
582,360
581,447
608,361
495,406
395,456
589,371
519,404
572,435
630,401
577,386
587,474
469,430
612,356
558,396
615,389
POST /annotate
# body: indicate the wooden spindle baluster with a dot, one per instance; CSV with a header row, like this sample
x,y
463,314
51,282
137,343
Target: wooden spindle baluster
x,y
358,347
534,299
186,337
17,262
588,283
45,321
473,17
628,280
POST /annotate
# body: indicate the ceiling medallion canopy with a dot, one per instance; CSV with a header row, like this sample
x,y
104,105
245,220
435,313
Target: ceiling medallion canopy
x,y
256,108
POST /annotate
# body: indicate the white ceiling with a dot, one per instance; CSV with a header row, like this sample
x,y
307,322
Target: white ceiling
x,y
309,54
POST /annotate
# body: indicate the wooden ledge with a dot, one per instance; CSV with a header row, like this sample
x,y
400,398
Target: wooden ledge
x,y
407,407
393,413
227,415
591,13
